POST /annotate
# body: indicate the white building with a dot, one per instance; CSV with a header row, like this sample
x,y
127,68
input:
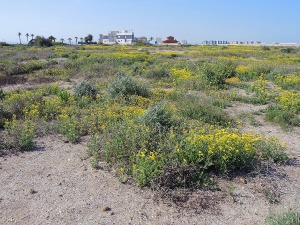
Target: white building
x,y
124,37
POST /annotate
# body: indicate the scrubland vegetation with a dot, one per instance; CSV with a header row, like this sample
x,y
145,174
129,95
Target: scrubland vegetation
x,y
155,114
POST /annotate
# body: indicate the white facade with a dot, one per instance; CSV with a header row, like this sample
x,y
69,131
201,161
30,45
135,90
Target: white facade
x,y
125,37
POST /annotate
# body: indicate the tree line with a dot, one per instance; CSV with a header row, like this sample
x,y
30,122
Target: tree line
x,y
42,41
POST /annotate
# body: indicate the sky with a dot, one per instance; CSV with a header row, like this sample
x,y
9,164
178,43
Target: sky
x,y
267,21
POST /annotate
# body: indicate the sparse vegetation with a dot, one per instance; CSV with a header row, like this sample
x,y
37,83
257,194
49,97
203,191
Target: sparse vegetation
x,y
157,118
291,217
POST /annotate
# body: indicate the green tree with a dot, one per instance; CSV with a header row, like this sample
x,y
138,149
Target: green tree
x,y
62,40
70,39
19,34
52,38
32,35
88,38
76,38
43,42
81,39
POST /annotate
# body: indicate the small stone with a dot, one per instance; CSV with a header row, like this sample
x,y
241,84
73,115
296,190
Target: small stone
x,y
112,213
105,209
242,180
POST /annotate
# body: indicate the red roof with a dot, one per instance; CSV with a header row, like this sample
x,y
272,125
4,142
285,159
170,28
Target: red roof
x,y
170,40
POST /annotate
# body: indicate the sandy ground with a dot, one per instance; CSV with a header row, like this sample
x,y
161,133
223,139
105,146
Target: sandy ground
x,y
55,185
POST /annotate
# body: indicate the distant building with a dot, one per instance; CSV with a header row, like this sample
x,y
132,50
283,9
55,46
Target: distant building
x,y
155,41
142,39
214,42
170,41
183,42
124,37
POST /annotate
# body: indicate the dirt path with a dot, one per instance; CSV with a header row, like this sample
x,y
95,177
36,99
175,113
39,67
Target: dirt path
x,y
53,185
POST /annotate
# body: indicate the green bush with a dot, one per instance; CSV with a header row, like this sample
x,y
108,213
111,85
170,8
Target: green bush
x,y
281,116
157,73
288,50
19,134
158,116
84,88
270,149
203,108
217,73
123,86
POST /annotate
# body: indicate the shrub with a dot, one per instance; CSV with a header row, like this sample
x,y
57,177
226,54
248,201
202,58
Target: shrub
x,y
270,149
157,73
288,82
253,71
217,73
123,86
157,116
203,108
283,117
182,156
84,88
19,134
288,50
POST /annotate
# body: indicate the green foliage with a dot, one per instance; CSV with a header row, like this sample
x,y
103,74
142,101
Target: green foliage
x,y
19,134
157,73
270,149
123,85
70,128
88,38
290,217
94,151
288,50
159,157
281,116
18,68
84,88
203,108
158,116
216,73
4,44
43,42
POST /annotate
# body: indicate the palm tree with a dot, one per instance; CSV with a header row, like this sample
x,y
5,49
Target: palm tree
x,y
70,39
19,34
32,35
76,39
81,39
27,35
62,40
